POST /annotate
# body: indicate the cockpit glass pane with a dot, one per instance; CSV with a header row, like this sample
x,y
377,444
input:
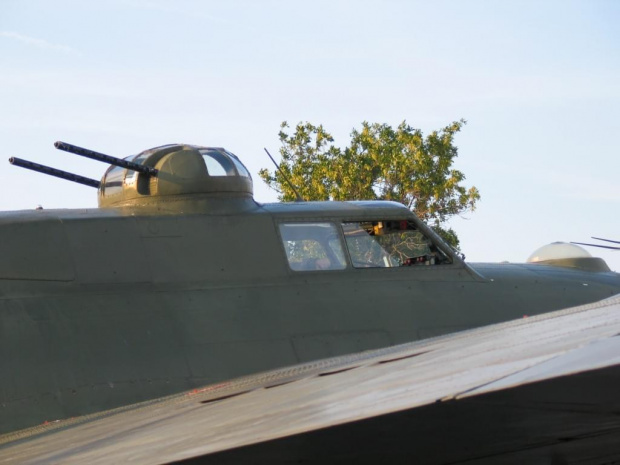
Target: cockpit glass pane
x,y
312,246
383,244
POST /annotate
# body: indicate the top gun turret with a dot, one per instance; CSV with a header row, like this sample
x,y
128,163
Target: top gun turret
x,y
175,170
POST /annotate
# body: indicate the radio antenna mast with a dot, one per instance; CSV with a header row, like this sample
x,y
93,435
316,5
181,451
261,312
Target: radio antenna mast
x,y
299,198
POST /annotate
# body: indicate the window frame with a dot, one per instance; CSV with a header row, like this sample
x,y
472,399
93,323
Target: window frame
x,y
457,261
335,226
432,244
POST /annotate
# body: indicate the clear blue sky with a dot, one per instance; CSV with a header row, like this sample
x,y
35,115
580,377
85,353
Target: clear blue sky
x,y
538,83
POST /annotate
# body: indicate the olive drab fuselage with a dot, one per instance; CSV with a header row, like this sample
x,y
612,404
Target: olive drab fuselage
x,y
171,286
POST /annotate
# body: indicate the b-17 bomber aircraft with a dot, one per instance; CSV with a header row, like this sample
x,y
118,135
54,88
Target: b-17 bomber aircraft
x,y
184,321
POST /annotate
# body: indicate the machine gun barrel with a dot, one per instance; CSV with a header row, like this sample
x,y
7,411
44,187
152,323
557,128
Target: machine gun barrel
x,y
54,172
105,158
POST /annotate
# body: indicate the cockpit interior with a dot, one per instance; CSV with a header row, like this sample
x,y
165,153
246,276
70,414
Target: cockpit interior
x,y
366,244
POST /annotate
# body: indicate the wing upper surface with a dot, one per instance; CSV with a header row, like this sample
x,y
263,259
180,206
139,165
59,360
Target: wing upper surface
x,y
288,409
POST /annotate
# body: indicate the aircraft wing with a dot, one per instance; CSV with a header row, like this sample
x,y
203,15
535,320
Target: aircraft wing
x,y
544,389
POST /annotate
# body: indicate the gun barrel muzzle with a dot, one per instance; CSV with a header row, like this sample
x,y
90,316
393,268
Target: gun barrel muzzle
x,y
105,158
54,172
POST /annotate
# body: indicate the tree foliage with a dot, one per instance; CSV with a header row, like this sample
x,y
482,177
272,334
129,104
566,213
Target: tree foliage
x,y
381,162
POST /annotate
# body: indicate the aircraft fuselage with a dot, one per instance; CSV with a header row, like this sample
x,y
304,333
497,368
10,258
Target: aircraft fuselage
x,y
103,308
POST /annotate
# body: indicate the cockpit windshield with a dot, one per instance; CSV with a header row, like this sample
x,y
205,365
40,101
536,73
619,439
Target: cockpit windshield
x,y
312,246
370,244
385,244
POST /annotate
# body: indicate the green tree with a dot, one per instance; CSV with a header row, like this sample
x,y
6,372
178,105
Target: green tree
x,y
381,162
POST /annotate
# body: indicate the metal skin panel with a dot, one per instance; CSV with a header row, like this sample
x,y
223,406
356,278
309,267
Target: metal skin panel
x,y
193,249
34,247
108,251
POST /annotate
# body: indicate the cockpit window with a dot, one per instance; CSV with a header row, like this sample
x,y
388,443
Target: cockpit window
x,y
312,246
382,244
